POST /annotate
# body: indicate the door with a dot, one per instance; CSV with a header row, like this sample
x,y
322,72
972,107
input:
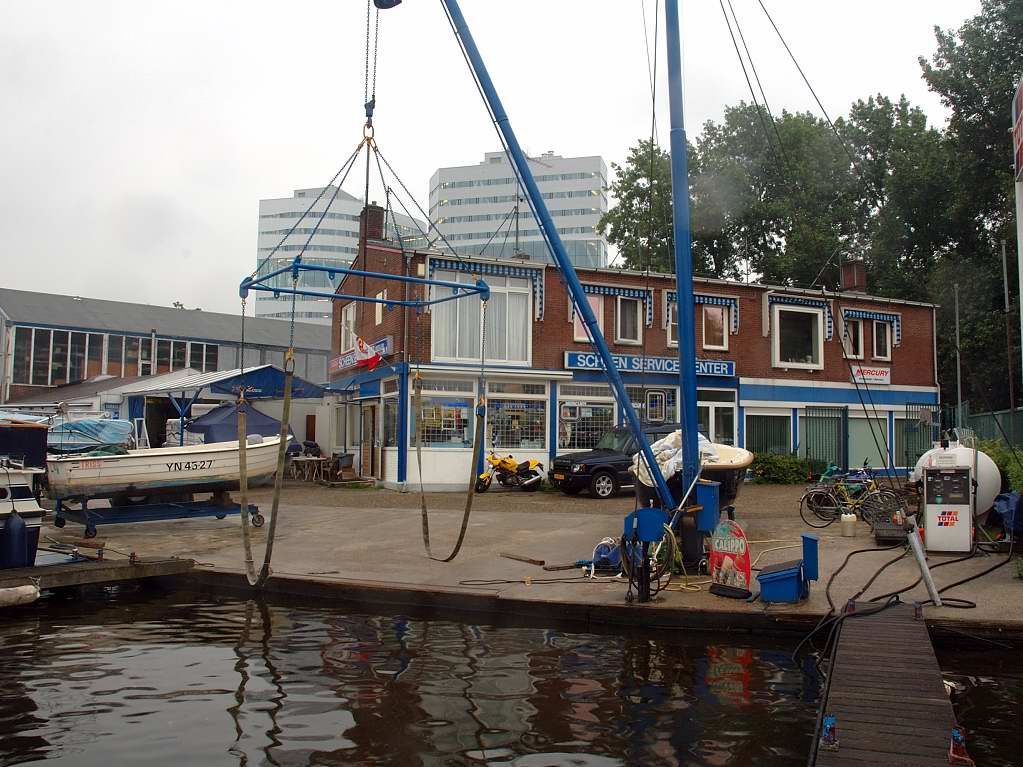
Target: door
x,y
368,441
717,421
310,427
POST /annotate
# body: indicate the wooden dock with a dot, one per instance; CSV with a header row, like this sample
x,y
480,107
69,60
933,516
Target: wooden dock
x,y
94,572
887,695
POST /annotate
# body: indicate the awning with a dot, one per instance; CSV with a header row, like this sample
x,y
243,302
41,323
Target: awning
x,y
260,382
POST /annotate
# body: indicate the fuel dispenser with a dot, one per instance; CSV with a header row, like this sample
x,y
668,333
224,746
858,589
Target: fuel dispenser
x,y
949,493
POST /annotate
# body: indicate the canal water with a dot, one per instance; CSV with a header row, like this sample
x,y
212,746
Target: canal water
x,y
132,678
141,677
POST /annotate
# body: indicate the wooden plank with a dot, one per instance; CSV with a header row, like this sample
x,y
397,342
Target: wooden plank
x,y
94,572
887,695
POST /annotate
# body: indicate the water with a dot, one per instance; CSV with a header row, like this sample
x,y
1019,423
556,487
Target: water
x,y
138,678
988,699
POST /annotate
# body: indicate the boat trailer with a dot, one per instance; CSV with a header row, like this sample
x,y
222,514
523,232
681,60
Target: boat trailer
x,y
219,506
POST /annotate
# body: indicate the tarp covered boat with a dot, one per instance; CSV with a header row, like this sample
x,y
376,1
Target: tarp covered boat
x,y
88,434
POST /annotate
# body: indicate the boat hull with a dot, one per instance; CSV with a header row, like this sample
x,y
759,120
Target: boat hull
x,y
159,471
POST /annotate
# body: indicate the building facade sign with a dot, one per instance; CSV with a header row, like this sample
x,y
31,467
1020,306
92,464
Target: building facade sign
x,y
871,374
344,361
635,363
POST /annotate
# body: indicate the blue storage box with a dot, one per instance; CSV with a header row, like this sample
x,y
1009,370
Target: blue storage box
x,y
783,582
708,495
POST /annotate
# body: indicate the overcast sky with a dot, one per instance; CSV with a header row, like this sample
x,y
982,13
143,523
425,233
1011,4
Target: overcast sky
x,y
138,137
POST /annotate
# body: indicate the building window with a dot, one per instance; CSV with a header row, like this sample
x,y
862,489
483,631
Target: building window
x,y
179,357
146,357
579,327
656,404
582,424
628,321
666,404
517,424
41,357
455,325
673,324
852,339
390,422
195,356
77,358
163,356
798,338
379,308
131,357
115,354
211,357
22,354
769,434
882,340
348,327
94,366
715,324
58,358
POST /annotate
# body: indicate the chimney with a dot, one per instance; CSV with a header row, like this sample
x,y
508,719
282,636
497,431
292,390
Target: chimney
x,y
371,222
854,276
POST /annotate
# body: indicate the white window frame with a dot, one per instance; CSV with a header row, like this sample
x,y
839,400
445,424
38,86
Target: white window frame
x,y
379,308
618,321
597,304
846,337
495,287
888,340
724,326
347,327
672,338
776,337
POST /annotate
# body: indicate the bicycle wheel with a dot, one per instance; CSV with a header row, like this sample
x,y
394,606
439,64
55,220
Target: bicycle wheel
x,y
878,506
822,505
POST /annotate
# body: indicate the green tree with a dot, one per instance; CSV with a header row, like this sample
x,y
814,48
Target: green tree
x,y
639,224
975,70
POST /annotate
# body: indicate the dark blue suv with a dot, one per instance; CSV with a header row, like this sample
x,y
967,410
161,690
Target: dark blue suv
x,y
604,470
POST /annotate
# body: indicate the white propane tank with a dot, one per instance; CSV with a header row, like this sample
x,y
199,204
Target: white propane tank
x,y
989,479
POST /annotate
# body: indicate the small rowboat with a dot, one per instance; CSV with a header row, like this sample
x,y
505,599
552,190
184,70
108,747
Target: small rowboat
x,y
205,468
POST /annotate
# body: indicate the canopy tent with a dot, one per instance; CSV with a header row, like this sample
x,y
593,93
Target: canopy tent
x,y
260,382
221,423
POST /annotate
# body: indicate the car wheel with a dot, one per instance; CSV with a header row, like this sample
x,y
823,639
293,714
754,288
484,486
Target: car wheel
x,y
603,485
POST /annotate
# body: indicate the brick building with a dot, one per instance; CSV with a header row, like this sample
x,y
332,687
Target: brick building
x,y
864,365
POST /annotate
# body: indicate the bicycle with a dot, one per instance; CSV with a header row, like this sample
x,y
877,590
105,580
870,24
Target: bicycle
x,y
836,494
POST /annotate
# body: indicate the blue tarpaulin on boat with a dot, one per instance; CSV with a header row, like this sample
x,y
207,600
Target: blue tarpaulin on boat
x,y
221,424
88,433
266,382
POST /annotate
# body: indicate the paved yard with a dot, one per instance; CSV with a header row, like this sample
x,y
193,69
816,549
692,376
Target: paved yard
x,y
371,539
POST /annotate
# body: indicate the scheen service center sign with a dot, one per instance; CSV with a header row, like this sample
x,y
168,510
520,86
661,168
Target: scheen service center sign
x,y
634,363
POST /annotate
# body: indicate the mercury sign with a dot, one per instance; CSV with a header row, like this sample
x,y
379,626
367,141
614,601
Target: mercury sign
x,y
634,363
869,374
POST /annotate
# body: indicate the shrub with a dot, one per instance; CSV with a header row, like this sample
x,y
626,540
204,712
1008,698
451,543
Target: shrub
x,y
1008,466
774,469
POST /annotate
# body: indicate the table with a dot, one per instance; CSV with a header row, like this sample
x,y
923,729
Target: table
x,y
308,467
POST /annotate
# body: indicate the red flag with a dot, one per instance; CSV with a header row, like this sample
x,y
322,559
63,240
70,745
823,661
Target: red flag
x,y
365,355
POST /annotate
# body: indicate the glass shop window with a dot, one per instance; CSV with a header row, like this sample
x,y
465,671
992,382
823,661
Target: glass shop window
x,y
517,424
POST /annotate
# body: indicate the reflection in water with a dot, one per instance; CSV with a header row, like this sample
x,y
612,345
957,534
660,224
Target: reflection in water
x,y
183,681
